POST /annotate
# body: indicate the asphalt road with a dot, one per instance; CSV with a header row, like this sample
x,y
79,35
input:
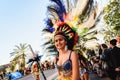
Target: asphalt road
x,y
52,75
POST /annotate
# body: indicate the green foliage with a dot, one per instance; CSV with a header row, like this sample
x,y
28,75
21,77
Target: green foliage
x,y
18,53
12,67
2,69
112,14
22,65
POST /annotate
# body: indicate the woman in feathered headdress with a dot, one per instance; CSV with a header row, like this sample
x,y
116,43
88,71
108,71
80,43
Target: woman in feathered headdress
x,y
65,38
67,60
64,23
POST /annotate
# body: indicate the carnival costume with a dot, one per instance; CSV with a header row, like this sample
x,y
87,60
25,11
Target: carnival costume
x,y
65,20
36,71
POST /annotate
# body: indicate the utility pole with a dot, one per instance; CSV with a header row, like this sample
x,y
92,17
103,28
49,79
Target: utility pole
x,y
36,58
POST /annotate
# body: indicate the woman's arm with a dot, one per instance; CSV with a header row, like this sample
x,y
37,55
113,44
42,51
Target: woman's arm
x,y
75,66
83,63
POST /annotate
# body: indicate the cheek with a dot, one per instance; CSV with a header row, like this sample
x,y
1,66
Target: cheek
x,y
55,43
60,44
64,43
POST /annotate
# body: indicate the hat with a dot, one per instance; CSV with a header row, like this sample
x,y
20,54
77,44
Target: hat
x,y
68,33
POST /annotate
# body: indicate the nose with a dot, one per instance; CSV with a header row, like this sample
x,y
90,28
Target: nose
x,y
58,42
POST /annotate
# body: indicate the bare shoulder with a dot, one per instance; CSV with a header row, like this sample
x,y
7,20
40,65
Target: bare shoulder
x,y
73,51
55,60
74,54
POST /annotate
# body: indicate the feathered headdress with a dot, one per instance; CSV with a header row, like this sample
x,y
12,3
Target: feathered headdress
x,y
67,15
69,33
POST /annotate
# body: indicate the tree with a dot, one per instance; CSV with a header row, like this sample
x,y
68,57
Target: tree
x,y
112,16
19,53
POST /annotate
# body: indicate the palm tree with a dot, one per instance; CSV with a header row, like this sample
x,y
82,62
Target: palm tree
x,y
19,54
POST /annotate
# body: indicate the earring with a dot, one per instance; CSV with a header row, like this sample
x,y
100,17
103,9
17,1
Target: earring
x,y
66,48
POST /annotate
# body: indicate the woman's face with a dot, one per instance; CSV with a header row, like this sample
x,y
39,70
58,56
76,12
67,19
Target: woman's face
x,y
102,47
110,45
60,42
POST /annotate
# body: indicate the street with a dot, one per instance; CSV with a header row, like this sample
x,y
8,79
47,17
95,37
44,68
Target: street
x,y
52,75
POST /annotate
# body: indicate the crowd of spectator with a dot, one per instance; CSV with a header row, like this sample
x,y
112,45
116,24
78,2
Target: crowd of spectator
x,y
107,64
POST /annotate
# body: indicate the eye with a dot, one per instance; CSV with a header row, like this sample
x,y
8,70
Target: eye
x,y
60,39
56,40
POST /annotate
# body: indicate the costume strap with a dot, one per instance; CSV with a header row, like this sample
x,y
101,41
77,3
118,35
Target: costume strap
x,y
70,55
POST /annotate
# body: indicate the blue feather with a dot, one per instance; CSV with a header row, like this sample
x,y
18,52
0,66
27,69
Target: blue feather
x,y
30,60
60,9
49,25
59,2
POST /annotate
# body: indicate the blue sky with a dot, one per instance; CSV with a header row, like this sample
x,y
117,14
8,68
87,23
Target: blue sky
x,y
21,21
